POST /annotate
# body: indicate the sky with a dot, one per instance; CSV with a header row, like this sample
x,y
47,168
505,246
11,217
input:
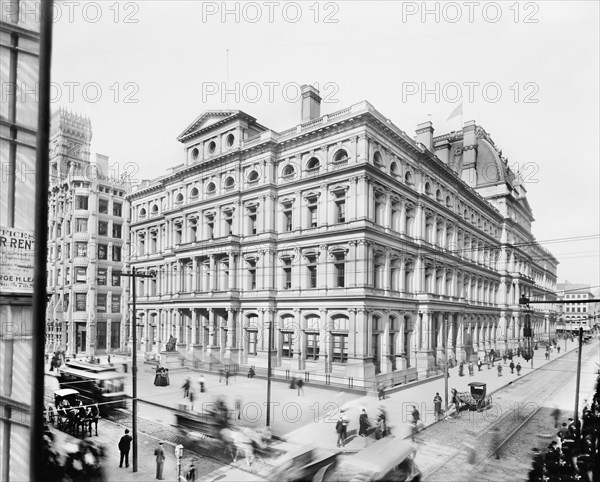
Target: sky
x,y
528,72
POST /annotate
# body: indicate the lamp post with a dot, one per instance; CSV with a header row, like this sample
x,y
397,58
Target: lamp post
x,y
133,275
445,341
269,373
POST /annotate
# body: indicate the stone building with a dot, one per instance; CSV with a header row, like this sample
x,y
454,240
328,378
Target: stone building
x,y
87,244
578,313
357,243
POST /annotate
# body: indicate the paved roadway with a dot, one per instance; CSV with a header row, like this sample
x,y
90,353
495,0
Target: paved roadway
x,y
308,418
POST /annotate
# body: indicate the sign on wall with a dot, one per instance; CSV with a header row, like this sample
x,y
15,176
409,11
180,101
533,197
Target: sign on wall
x,y
16,260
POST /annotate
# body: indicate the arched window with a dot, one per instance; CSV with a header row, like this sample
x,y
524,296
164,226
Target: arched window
x,y
212,147
179,198
155,209
142,213
253,176
394,169
427,188
438,195
408,179
229,182
194,192
377,159
211,188
195,153
340,156
448,201
313,164
288,170
229,140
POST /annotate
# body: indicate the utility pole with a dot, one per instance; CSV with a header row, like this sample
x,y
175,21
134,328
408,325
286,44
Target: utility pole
x,y
133,275
576,416
445,340
269,373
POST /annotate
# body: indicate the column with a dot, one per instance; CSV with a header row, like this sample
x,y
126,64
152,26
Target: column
x,y
386,269
460,342
386,364
351,200
403,216
402,284
296,211
387,221
194,287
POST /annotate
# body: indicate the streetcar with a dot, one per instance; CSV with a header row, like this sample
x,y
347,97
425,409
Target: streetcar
x,y
99,384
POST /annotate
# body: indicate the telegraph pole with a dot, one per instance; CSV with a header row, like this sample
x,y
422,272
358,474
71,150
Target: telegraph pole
x,y
445,340
133,275
576,417
269,373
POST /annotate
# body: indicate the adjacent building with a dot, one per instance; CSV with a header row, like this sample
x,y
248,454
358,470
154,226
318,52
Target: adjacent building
x,y
577,313
365,250
87,248
19,80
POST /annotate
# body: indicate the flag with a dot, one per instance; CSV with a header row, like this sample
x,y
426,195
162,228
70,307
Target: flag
x,y
456,112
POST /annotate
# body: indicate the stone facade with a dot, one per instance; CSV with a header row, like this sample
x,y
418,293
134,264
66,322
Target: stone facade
x,y
357,243
87,245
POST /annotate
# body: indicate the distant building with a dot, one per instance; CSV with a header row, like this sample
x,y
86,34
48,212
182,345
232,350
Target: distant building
x,y
576,314
355,241
87,244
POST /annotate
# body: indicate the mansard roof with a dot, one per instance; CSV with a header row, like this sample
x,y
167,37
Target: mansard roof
x,y
210,119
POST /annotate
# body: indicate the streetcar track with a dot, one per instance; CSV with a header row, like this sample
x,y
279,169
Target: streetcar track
x,y
458,457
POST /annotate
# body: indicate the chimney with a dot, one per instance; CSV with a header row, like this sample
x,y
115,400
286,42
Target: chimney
x,y
425,134
311,103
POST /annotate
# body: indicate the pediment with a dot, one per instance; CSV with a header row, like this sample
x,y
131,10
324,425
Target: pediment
x,y
207,119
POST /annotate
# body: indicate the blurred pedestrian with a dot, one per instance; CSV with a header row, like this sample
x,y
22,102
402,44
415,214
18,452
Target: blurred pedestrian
x,y
495,442
186,388
381,391
192,397
471,369
300,386
190,475
504,358
518,368
363,425
159,453
461,369
341,428
479,364
124,447
558,349
227,374
202,383
499,370
555,415
381,428
416,416
238,408
251,372
512,367
220,374
437,405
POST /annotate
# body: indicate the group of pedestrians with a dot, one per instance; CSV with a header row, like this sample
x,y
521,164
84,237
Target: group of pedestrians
x,y
366,427
575,453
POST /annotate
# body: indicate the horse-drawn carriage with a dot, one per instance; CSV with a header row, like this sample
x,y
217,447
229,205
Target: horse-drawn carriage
x,y
476,399
69,413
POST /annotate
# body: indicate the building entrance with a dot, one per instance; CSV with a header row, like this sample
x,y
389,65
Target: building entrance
x,y
81,332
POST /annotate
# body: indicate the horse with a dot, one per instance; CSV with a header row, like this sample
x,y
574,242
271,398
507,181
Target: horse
x,y
93,415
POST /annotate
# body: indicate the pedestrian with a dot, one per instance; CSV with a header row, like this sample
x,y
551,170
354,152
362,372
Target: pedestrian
x,y
471,369
381,392
251,373
512,367
186,388
415,421
454,398
479,364
461,369
363,425
499,370
192,397
504,358
227,374
293,383
159,452
381,429
238,408
190,475
342,429
124,446
555,415
108,360
437,404
495,442
300,386
558,349
220,374
518,368
202,383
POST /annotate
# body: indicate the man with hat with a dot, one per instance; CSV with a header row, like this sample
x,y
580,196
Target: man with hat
x,y
124,446
159,452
